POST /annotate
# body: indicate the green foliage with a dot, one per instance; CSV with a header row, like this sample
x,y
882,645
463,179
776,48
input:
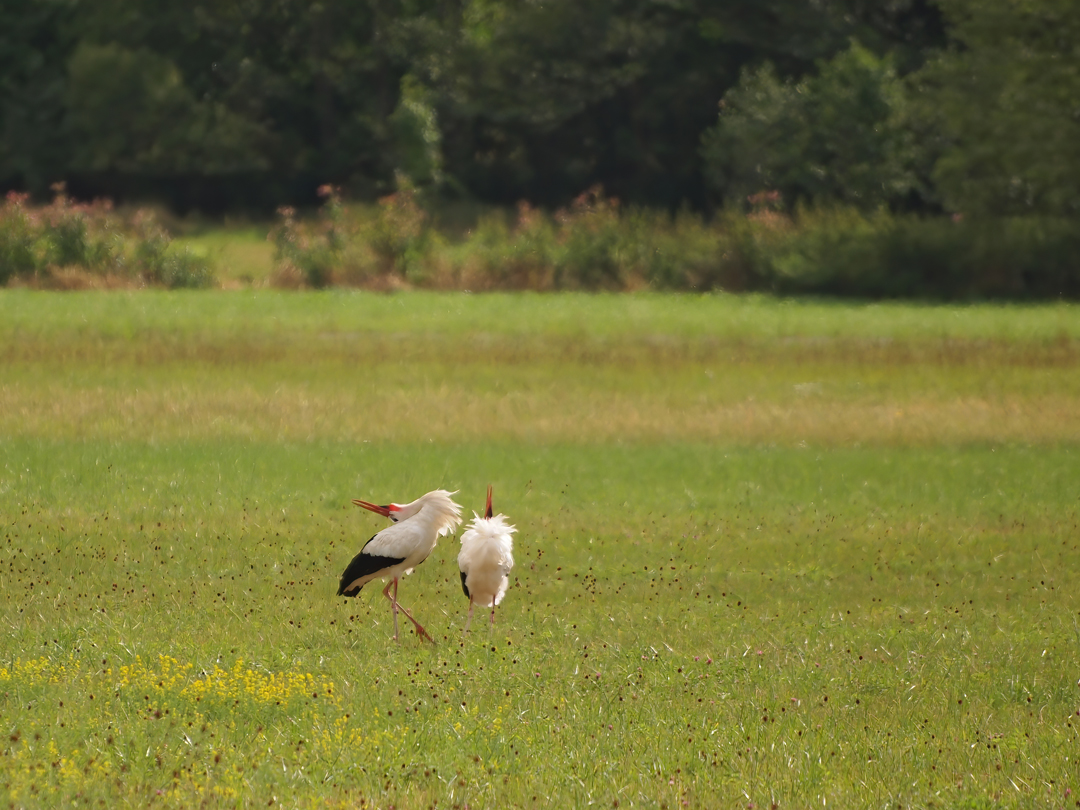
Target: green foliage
x,y
503,255
757,141
836,136
541,100
417,139
1003,100
837,105
130,111
17,238
235,104
596,244
185,269
353,246
78,235
399,234
36,39
592,245
160,264
310,250
841,252
67,244
284,96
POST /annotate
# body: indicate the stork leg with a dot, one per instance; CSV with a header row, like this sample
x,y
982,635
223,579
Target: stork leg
x,y
398,606
468,621
416,624
393,603
492,611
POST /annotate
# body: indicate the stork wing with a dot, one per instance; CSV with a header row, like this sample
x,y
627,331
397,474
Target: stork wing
x,y
400,540
363,568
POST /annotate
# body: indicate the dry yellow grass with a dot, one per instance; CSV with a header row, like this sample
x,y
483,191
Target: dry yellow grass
x,y
444,411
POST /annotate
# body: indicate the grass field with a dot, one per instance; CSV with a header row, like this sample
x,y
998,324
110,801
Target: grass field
x,y
770,553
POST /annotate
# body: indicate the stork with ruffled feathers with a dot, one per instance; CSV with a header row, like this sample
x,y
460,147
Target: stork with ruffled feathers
x,y
485,560
398,549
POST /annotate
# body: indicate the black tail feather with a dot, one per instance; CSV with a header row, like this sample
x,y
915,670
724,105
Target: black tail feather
x,y
364,565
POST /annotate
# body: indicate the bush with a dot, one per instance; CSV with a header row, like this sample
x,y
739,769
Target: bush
x,y
497,255
594,244
67,244
843,252
306,252
161,265
79,235
17,238
399,234
357,246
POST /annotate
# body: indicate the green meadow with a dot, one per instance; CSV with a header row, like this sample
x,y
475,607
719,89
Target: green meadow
x,y
770,553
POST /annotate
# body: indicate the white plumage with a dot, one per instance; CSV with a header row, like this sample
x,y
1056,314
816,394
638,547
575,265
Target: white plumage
x,y
485,560
396,550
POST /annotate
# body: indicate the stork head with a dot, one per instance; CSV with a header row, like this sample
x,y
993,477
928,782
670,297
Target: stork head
x,y
393,511
487,509
441,510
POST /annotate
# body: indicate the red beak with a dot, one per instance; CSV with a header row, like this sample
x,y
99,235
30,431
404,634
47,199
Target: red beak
x,y
487,511
379,510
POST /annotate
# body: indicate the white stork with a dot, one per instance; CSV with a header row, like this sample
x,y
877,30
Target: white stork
x,y
397,549
485,560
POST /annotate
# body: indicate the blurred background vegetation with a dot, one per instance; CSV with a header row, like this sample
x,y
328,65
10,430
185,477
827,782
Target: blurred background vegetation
x,y
877,125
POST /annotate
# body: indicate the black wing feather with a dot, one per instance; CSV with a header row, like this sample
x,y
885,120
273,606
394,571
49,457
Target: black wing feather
x,y
465,587
363,565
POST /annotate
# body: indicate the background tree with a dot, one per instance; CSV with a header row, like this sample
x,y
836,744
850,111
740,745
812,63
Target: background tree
x,y
35,41
131,111
260,100
543,99
255,103
416,136
1005,98
836,136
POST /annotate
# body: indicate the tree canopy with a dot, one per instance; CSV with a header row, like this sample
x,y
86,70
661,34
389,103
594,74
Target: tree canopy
x,y
1005,99
256,103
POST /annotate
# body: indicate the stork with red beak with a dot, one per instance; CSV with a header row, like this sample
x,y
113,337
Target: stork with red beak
x,y
397,549
485,560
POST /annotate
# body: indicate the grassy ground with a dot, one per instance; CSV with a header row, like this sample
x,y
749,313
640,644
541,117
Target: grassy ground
x,y
240,255
769,552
